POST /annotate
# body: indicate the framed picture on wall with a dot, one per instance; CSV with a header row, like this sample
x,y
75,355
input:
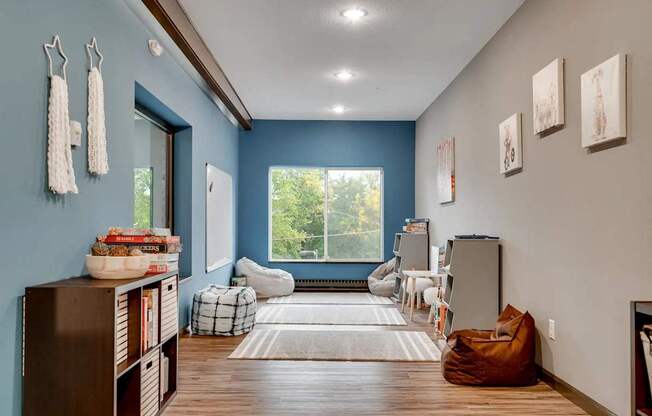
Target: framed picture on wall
x,y
604,115
510,144
548,97
446,170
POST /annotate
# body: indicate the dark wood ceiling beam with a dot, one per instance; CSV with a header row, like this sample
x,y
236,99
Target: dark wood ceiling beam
x,y
176,23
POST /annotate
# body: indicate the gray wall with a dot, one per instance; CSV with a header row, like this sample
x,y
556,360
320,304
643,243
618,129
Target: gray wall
x,y
575,225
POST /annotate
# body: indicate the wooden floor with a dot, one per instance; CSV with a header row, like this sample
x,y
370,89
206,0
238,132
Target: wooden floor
x,y
210,384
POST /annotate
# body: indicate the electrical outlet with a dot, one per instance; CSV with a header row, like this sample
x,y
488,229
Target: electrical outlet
x,y
551,329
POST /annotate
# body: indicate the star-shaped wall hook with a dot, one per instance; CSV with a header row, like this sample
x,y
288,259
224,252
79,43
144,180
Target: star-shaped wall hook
x,y
56,43
93,47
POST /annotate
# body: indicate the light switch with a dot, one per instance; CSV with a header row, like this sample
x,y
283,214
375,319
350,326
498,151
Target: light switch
x,y
551,329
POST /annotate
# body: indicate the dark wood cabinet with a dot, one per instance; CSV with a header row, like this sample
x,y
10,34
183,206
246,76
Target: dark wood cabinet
x,y
641,314
83,348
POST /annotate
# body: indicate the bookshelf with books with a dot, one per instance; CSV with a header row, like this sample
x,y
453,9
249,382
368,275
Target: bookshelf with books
x,y
111,348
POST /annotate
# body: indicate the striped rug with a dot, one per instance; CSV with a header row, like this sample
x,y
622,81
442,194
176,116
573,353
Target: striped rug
x,y
329,315
318,345
335,298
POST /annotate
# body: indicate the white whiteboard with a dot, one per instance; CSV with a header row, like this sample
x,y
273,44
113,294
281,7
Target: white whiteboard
x,y
219,218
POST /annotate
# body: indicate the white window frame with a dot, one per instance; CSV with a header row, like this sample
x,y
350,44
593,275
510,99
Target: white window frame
x,y
326,259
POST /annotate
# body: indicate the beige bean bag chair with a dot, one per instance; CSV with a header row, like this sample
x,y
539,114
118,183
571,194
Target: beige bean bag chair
x,y
266,282
382,280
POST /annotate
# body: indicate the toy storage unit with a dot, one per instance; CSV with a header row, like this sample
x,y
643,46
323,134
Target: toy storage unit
x,y
84,352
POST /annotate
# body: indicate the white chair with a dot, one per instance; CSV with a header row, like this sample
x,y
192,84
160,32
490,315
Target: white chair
x,y
413,287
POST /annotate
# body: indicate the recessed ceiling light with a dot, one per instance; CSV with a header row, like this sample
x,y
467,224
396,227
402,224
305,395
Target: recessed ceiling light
x,y
343,75
338,109
354,14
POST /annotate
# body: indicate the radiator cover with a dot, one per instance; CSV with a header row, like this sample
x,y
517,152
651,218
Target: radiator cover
x,y
330,284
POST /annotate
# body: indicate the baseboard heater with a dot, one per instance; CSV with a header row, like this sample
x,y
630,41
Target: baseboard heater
x,y
330,284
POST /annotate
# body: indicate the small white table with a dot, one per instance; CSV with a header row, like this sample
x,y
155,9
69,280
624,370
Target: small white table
x,y
410,286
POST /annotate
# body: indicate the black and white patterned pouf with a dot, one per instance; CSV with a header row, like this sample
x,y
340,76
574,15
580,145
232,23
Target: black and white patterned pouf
x,y
221,310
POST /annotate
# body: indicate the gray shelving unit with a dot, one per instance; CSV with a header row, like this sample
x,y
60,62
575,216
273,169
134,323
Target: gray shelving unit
x,y
473,283
411,251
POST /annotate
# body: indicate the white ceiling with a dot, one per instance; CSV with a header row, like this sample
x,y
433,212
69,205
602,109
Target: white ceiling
x,y
280,55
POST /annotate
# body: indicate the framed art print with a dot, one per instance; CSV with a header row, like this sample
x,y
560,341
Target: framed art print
x,y
446,170
548,97
510,144
604,112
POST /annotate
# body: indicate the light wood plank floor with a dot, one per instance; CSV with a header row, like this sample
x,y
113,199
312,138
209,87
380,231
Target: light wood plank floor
x,y
209,384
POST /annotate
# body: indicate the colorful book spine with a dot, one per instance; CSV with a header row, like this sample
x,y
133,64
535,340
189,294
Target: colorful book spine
x,y
442,318
139,239
143,320
155,315
152,317
163,232
158,248
420,227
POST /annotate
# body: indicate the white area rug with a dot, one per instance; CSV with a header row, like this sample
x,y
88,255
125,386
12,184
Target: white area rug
x,y
263,344
329,315
334,298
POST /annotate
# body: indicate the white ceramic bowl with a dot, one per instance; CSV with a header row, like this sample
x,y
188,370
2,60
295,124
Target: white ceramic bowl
x,y
108,267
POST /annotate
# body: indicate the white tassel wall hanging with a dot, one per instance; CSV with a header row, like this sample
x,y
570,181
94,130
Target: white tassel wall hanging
x,y
61,174
98,163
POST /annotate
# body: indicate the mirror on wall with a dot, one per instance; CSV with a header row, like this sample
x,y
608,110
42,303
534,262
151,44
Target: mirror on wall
x,y
152,173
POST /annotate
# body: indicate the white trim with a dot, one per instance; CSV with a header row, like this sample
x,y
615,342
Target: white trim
x,y
218,264
326,258
354,260
140,10
269,212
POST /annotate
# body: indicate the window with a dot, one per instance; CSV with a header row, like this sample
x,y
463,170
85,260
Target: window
x,y
152,173
326,214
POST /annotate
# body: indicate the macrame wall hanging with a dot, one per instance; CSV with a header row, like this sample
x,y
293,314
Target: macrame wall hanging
x,y
97,157
61,174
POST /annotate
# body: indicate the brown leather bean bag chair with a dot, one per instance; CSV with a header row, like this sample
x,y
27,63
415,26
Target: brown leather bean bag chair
x,y
500,357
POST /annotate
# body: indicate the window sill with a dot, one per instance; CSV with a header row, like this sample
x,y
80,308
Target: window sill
x,y
329,261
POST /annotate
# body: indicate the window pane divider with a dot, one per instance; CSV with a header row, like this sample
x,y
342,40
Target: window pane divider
x,y
326,215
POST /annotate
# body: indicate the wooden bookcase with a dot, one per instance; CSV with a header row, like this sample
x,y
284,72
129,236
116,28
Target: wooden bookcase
x,y
74,347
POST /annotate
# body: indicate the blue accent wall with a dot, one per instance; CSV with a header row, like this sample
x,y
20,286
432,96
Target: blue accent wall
x,y
386,144
46,237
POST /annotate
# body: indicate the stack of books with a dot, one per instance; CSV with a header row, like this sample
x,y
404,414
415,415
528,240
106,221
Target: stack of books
x,y
149,318
416,225
159,243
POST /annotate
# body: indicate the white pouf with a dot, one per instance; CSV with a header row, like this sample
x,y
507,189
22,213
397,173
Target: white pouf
x,y
429,295
221,310
266,282
382,280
